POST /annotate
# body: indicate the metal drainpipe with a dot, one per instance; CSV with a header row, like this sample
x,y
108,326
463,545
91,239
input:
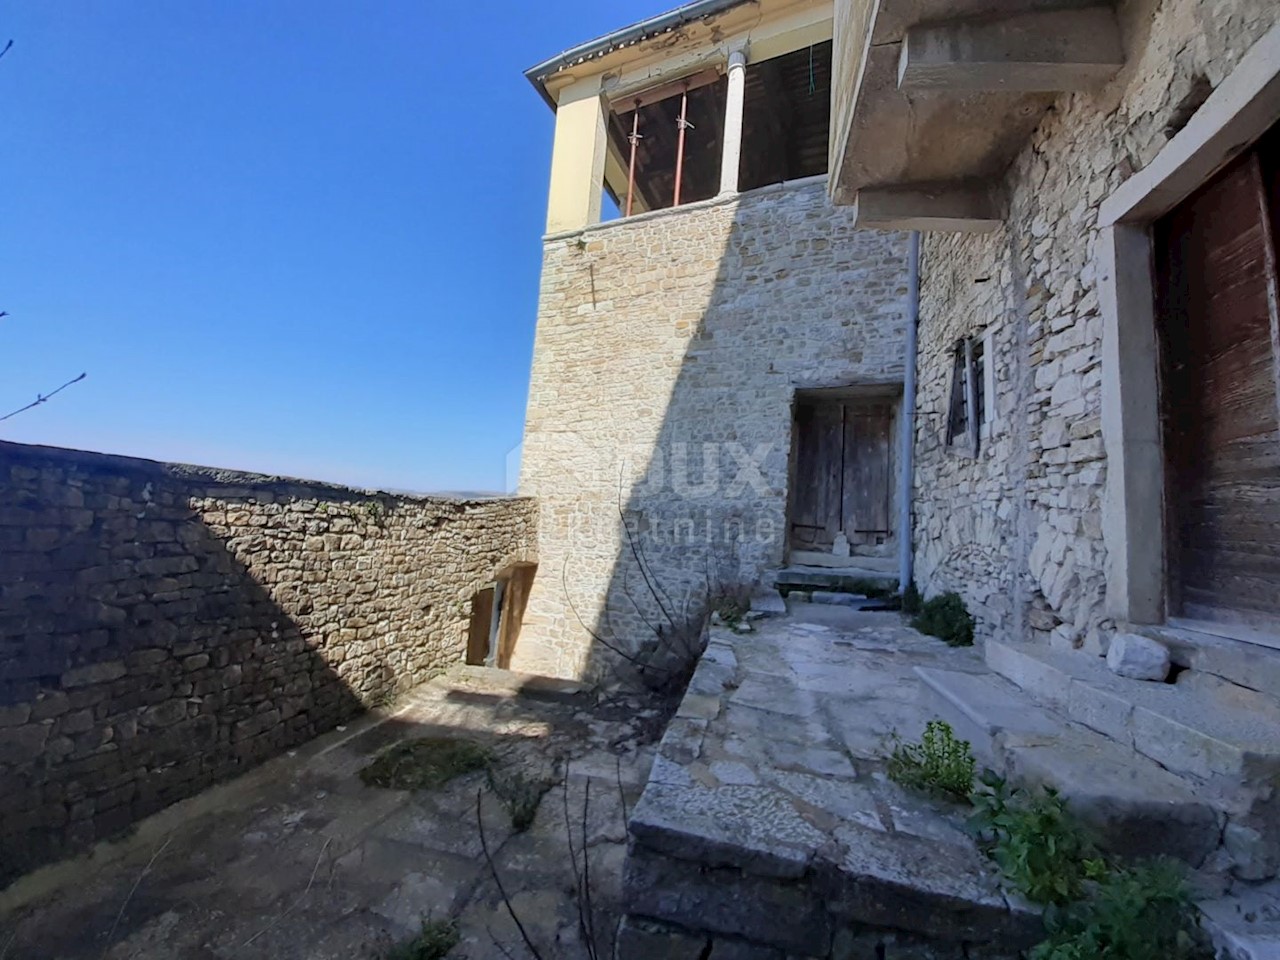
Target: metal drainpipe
x,y
906,439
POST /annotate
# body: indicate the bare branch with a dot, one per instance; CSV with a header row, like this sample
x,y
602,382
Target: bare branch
x,y
493,872
137,880
2,53
41,398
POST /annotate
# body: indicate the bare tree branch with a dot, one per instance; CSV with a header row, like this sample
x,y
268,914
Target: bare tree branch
x,y
41,398
2,53
493,872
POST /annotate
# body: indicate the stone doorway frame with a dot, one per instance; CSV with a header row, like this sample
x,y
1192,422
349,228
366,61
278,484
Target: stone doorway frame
x,y
1242,108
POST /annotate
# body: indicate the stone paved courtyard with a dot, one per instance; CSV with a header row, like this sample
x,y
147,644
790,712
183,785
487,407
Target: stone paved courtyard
x,y
300,859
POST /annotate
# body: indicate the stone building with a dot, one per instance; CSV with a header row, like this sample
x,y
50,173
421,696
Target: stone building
x,y
1097,452
1055,225
718,370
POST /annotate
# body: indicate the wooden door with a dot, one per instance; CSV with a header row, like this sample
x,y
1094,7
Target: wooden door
x,y
842,473
1216,257
865,494
816,505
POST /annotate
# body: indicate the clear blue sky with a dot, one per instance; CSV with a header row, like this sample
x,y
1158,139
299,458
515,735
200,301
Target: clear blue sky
x,y
296,236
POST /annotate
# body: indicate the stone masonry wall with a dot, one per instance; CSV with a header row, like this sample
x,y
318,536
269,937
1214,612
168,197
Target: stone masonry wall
x,y
1019,531
163,627
668,352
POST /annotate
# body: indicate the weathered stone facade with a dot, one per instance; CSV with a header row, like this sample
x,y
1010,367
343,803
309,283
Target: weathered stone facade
x,y
1019,530
669,349
164,626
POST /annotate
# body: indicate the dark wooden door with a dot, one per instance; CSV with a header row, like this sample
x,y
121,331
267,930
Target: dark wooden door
x,y
1216,257
843,473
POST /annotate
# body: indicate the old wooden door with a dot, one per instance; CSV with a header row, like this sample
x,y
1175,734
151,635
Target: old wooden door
x,y
842,473
1216,256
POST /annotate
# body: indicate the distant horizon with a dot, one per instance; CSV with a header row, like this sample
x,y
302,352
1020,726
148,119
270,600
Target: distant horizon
x,y
270,237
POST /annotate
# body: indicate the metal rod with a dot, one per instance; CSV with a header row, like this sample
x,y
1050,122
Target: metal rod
x,y
681,124
631,169
907,434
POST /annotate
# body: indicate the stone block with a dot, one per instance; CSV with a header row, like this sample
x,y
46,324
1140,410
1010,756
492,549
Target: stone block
x,y
23,744
643,939
1137,657
94,673
774,912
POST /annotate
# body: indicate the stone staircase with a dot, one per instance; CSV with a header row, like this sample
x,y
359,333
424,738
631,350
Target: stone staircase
x,y
1189,768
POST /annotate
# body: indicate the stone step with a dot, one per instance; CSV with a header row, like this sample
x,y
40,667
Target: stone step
x,y
491,681
884,562
843,579
1135,806
1192,728
1245,664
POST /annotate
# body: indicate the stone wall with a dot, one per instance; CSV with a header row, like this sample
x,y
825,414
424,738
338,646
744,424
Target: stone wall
x,y
1019,530
164,626
668,351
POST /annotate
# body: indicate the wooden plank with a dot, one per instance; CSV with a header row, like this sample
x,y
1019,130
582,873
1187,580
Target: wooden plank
x,y
815,518
867,451
478,631
1221,394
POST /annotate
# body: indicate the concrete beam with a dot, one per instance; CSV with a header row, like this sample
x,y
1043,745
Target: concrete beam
x,y
948,208
1044,51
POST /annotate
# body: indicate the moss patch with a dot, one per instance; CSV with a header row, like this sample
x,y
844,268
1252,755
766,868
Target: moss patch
x,y
432,942
424,764
945,617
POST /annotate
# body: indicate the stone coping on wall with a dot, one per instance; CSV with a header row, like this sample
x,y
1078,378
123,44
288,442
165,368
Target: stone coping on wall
x,y
717,201
224,479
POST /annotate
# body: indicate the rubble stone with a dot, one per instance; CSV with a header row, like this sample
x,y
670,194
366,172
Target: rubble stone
x,y
208,620
1137,657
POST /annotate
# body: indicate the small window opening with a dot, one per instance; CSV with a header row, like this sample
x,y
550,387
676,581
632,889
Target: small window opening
x,y
968,390
665,144
786,117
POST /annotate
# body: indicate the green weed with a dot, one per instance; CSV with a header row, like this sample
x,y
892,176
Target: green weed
x,y
939,764
945,617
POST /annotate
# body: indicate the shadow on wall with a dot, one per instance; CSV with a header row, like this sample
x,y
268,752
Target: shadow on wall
x,y
669,351
166,627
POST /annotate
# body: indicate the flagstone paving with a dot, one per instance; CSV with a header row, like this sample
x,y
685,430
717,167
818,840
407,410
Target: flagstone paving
x,y
300,859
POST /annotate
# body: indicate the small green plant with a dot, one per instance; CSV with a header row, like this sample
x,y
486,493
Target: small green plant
x,y
433,941
939,764
945,617
911,599
1143,912
376,512
1039,846
424,764
731,609
520,794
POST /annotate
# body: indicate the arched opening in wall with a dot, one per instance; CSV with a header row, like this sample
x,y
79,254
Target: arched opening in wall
x,y
497,614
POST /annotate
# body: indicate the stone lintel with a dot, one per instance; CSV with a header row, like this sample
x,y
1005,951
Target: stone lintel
x,y
1043,51
949,208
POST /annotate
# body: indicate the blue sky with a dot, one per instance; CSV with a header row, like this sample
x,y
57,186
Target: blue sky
x,y
296,236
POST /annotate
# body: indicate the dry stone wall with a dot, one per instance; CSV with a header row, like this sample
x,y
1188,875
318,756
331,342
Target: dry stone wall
x,y
669,349
1018,531
163,627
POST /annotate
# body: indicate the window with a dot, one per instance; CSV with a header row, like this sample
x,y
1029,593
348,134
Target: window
x,y
969,389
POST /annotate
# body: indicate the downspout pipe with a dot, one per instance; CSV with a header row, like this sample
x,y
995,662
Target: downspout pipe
x,y
907,435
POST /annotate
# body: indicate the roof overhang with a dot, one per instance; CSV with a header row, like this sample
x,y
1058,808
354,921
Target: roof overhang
x,y
936,97
665,23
